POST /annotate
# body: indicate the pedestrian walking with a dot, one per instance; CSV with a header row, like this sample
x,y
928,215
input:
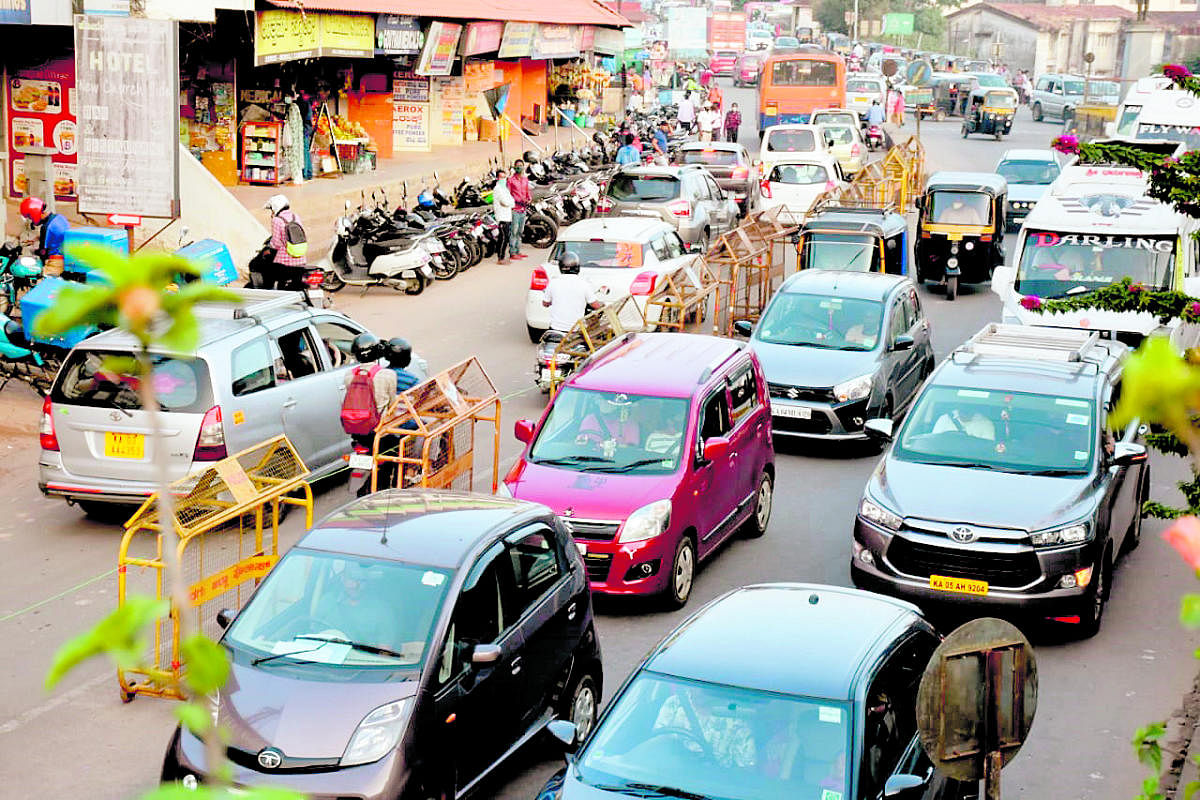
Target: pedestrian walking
x,y
896,107
733,121
707,120
628,154
716,97
502,210
687,112
518,187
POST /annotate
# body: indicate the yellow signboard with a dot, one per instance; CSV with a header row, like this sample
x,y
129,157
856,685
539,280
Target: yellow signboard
x,y
252,568
286,35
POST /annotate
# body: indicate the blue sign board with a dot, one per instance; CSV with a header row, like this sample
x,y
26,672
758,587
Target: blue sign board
x,y
14,12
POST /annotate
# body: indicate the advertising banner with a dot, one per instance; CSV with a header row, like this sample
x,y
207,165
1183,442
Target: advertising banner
x,y
448,126
41,103
285,35
518,39
409,88
410,126
482,37
898,24
556,41
15,12
127,84
398,34
441,46
610,41
347,35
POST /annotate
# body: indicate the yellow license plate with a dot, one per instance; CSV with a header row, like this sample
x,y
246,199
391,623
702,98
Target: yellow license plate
x,y
958,585
954,237
124,445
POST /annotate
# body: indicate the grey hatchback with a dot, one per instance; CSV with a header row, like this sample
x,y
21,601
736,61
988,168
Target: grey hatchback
x,y
839,348
273,365
686,197
729,163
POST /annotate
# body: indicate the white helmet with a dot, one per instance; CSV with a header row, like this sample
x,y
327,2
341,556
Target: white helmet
x,y
277,203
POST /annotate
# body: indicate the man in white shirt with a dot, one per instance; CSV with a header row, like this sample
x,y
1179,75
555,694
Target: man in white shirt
x,y
569,296
707,120
502,210
687,112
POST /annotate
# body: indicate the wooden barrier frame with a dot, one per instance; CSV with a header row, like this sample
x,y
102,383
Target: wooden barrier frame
x,y
681,297
748,263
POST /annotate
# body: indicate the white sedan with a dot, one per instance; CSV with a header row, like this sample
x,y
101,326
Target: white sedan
x,y
797,182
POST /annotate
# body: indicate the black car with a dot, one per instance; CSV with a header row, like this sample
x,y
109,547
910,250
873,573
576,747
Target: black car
x,y
816,698
1007,487
403,648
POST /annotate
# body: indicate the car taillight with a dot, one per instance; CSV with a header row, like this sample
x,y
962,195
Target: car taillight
x,y
604,204
210,444
314,278
771,110
740,173
680,208
643,284
855,150
46,435
539,280
765,189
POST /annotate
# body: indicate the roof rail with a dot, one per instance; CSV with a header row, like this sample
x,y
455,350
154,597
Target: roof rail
x,y
1066,345
254,303
721,358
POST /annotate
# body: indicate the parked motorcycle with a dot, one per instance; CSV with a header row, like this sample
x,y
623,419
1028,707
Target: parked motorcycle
x,y
356,258
18,274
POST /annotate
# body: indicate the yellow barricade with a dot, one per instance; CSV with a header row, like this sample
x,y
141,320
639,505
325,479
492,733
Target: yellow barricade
x,y
748,263
224,547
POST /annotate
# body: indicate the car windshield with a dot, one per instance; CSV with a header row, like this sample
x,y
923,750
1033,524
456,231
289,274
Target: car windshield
x,y
1038,173
710,156
841,251
791,141
595,431
863,86
787,41
86,379
724,54
1002,430
1058,265
751,61
989,79
959,208
1000,100
694,739
341,610
836,118
600,254
643,187
817,320
1073,87
798,174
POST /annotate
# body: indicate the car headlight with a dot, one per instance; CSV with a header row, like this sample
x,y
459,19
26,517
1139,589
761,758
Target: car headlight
x,y
1069,534
647,522
378,733
855,388
879,515
502,490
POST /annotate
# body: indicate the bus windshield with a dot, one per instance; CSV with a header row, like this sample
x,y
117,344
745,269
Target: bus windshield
x,y
804,72
1065,264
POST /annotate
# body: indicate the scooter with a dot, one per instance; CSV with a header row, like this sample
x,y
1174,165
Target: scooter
x,y
18,274
549,368
265,274
874,137
356,260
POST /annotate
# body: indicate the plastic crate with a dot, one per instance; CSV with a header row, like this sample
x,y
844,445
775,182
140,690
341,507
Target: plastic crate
x,y
114,238
37,300
213,259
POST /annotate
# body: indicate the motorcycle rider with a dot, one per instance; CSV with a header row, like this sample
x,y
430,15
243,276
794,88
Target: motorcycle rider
x,y
367,350
285,272
875,113
569,296
51,228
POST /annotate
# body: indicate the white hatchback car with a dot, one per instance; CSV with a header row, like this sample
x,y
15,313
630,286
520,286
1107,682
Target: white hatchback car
x,y
618,256
796,183
781,142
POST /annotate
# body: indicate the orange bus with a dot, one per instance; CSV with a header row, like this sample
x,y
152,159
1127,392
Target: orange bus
x,y
793,84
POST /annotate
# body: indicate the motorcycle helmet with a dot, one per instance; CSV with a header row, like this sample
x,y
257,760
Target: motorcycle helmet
x,y
568,264
529,157
277,203
425,199
366,348
398,352
33,209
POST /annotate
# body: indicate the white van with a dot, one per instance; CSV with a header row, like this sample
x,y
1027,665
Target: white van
x,y
1131,107
1093,227
1170,114
781,142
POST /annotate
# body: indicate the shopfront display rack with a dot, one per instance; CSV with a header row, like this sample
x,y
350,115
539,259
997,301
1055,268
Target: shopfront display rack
x,y
261,152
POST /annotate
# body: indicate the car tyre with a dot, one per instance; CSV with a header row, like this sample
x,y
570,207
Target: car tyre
x,y
535,334
951,287
764,500
1133,537
1037,112
581,705
683,573
1091,614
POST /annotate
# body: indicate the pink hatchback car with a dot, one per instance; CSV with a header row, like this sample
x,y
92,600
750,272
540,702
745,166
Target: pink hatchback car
x,y
654,452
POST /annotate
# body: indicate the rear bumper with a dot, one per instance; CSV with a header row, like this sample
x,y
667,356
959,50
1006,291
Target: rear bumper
x,y
55,481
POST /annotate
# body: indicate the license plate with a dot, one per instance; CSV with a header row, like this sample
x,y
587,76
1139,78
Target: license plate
x,y
954,237
124,445
316,297
958,585
361,461
794,412
861,98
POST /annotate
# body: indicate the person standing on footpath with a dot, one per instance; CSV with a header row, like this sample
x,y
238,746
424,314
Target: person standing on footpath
x,y
502,210
518,187
687,113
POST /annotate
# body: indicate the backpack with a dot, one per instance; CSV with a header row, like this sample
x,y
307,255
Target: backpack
x,y
296,240
360,415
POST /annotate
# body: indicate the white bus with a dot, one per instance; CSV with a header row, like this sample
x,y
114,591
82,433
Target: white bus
x,y
1131,106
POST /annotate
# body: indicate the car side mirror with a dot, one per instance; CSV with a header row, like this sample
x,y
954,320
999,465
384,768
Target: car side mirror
x,y
225,616
716,448
1127,454
904,787
903,342
564,732
523,430
485,654
879,429
743,327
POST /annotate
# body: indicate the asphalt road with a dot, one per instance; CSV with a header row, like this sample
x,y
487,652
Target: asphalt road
x,y
59,568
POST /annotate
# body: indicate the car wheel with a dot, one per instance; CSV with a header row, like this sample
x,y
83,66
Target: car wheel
x,y
1037,112
1091,614
535,334
764,498
581,705
1133,537
951,287
683,573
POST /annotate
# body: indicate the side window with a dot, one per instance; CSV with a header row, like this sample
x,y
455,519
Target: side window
x,y
537,565
714,418
713,188
899,320
908,300
486,607
337,337
299,353
675,247
918,312
659,246
251,367
743,394
1041,85
891,713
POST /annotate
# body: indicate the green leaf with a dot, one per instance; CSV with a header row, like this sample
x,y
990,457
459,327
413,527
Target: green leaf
x,y
1189,611
195,717
175,791
1158,386
1145,744
207,664
119,635
183,334
1189,791
77,305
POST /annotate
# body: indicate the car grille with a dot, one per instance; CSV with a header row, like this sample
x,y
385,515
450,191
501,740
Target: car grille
x,y
249,760
597,565
847,414
787,392
998,569
594,529
819,424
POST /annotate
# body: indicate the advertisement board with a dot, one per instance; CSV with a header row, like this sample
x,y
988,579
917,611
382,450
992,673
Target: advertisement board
x,y
518,39
41,113
14,12
556,41
482,37
609,41
409,88
441,47
410,126
448,124
898,24
286,35
398,34
127,86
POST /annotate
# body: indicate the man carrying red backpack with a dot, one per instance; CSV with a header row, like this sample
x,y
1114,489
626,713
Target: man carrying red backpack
x,y
370,389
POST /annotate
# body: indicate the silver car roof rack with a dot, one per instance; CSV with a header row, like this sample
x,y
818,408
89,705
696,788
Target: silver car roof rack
x,y
255,303
1031,342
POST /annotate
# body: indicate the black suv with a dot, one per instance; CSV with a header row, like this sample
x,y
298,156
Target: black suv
x,y
1006,485
403,648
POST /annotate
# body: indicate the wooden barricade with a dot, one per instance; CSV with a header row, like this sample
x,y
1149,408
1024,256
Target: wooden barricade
x,y
748,263
681,297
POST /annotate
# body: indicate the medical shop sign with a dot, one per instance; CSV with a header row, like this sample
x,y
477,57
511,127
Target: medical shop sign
x,y
398,34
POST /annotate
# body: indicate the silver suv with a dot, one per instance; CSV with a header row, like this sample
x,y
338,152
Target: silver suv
x,y
271,366
686,197
1056,96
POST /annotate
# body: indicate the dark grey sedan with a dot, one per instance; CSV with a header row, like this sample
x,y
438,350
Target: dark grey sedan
x,y
839,348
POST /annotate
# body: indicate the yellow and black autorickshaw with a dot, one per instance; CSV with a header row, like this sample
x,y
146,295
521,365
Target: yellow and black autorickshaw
x,y
960,228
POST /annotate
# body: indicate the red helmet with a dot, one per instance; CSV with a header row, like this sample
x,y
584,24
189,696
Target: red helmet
x,y
33,208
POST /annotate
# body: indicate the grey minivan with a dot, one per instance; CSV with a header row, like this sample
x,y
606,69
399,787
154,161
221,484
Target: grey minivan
x,y
1057,95
273,365
839,348
686,197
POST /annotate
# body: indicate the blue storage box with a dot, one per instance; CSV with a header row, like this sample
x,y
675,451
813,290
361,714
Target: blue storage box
x,y
213,259
37,300
116,238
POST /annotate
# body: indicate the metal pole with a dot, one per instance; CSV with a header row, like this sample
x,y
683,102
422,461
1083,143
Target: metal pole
x,y
856,21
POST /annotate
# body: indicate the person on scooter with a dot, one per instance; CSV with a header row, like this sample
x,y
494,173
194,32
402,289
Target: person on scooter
x,y
285,264
51,228
569,296
502,210
367,351
875,113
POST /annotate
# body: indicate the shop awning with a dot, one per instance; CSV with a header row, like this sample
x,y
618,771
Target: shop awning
x,y
560,12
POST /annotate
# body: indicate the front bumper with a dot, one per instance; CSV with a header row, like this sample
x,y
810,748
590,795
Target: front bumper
x,y
632,568
1040,595
829,420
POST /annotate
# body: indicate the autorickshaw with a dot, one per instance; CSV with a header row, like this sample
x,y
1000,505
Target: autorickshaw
x,y
960,228
946,91
990,112
855,240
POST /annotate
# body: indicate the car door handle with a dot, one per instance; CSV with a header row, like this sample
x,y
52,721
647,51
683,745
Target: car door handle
x,y
289,403
572,610
516,666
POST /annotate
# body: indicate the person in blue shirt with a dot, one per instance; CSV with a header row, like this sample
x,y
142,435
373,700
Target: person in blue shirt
x,y
875,113
628,154
660,137
398,354
54,227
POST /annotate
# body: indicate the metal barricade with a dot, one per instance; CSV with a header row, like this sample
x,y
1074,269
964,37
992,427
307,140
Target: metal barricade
x,y
427,435
591,332
748,263
223,543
